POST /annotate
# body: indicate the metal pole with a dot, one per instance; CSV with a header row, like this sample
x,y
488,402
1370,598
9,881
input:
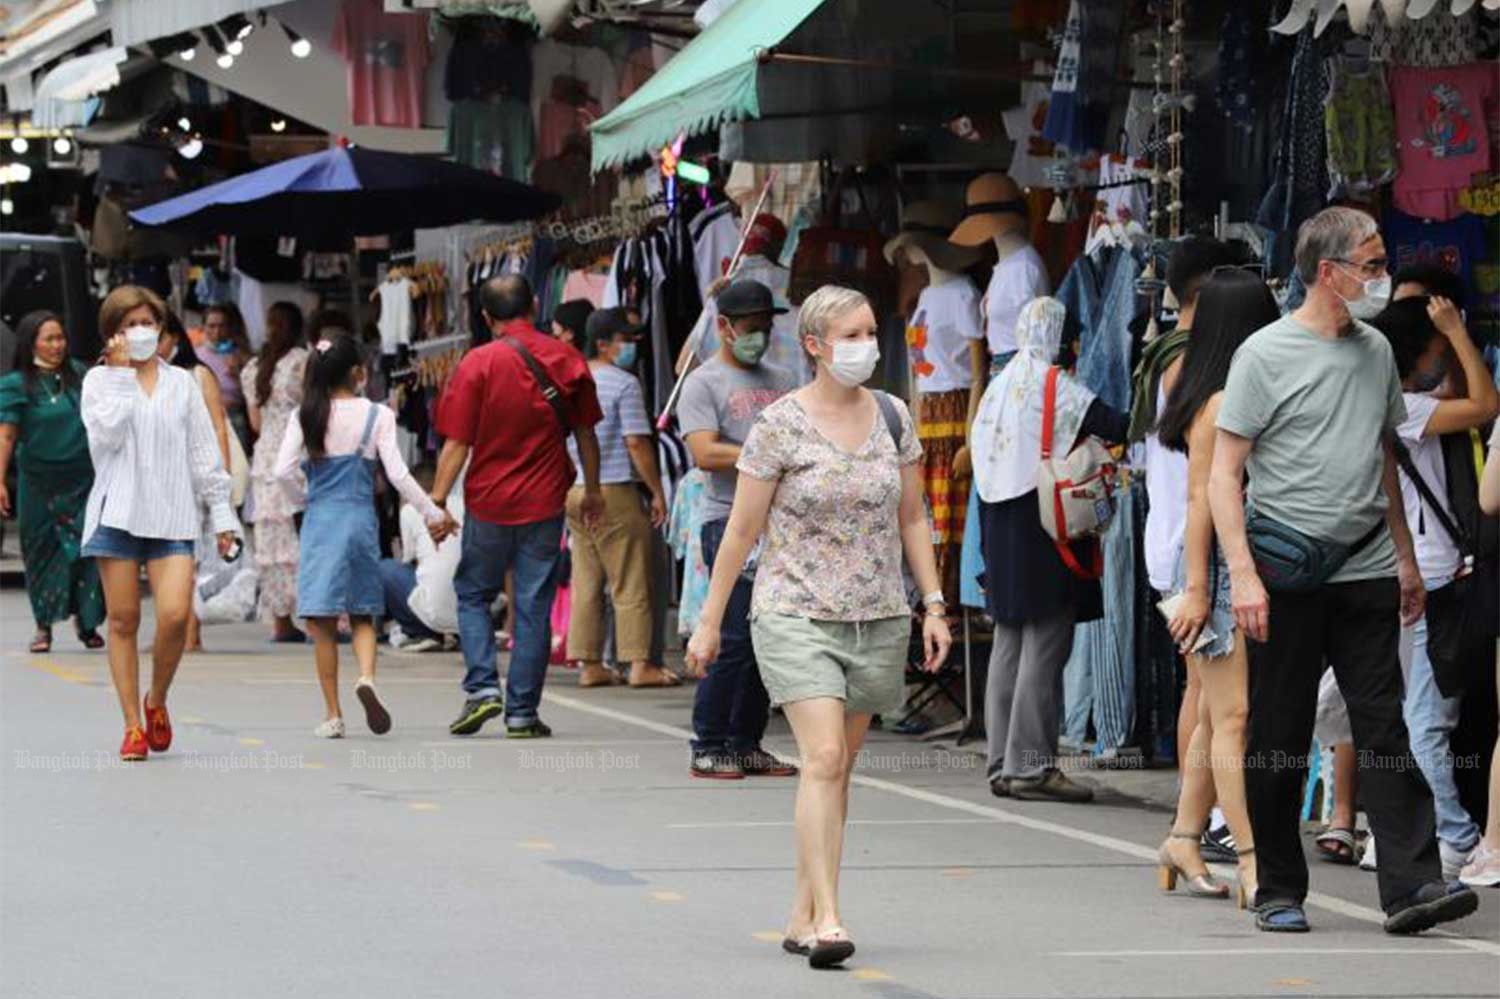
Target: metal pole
x,y
690,349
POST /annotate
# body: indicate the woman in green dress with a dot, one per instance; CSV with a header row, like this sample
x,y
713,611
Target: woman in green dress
x,y
41,427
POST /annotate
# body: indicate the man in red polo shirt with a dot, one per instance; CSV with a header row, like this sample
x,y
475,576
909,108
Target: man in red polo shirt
x,y
497,415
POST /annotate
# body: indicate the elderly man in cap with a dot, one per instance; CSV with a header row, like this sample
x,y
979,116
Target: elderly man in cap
x,y
720,400
617,550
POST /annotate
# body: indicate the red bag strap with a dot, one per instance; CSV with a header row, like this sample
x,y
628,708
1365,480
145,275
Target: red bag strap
x,y
1065,549
1049,408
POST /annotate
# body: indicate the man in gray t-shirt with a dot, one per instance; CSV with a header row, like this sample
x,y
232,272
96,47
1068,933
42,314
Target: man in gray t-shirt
x,y
719,403
1308,411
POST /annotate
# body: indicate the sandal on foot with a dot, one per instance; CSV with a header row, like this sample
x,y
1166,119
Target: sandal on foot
x,y
1336,845
657,676
91,639
1281,917
41,642
796,947
830,949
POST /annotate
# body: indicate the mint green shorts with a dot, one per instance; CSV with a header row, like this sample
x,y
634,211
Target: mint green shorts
x,y
861,663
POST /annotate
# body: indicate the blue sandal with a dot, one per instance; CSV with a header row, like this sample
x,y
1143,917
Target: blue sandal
x,y
1281,917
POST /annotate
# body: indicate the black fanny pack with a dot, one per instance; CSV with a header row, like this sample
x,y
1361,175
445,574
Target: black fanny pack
x,y
1293,562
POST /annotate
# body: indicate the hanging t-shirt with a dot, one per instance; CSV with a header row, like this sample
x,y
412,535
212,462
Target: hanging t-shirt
x,y
1015,281
387,57
945,321
1438,558
395,314
1023,126
1457,246
1441,135
714,241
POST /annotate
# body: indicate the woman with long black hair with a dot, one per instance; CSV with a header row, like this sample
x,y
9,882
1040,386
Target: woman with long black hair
x,y
1232,305
272,384
335,441
41,426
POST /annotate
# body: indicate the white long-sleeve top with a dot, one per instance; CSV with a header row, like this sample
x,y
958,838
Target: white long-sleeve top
x,y
157,465
346,424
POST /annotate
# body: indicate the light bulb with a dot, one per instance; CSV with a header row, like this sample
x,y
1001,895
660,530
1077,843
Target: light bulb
x,y
278,125
245,31
225,61
186,55
235,47
302,48
19,145
191,148
184,124
62,146
7,206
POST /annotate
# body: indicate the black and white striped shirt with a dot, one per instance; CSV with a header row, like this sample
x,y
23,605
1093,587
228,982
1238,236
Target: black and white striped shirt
x,y
157,464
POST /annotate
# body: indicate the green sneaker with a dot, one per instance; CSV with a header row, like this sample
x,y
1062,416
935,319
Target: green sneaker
x,y
477,711
536,730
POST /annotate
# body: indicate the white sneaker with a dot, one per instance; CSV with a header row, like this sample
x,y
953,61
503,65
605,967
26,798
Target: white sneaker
x,y
422,645
397,637
1367,862
1483,870
330,728
451,643
1454,860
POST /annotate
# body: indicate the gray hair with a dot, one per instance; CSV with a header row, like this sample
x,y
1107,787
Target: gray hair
x,y
823,306
1332,234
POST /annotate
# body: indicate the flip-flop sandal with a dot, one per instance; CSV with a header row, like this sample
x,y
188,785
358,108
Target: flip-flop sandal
x,y
798,948
40,644
664,679
832,950
94,640
1281,917
1336,845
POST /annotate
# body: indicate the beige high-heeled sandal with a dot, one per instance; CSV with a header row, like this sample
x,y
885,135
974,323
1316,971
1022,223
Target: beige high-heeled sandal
x,y
1245,895
1198,885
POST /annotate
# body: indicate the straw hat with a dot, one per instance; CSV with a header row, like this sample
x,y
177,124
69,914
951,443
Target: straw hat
x,y
925,225
992,205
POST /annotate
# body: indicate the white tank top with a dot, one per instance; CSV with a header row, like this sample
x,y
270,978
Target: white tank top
x,y
1167,491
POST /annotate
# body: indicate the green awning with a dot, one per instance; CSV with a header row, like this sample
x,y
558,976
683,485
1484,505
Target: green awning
x,y
711,81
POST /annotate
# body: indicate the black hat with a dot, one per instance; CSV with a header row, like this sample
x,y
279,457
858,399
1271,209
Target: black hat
x,y
747,298
606,324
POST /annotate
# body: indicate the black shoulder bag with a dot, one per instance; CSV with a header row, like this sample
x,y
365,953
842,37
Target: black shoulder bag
x,y
549,388
1461,617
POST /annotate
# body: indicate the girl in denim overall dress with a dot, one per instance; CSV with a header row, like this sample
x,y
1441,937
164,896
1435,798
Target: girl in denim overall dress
x,y
337,439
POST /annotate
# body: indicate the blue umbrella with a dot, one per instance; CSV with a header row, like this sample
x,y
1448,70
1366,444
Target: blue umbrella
x,y
342,192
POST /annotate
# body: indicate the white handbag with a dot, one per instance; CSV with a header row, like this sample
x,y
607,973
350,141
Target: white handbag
x,y
1075,492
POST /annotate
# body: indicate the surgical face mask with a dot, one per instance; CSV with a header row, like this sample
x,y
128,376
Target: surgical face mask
x,y
1426,381
625,356
1376,297
853,361
140,342
750,346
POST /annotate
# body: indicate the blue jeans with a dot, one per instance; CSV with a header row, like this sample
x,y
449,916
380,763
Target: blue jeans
x,y
730,706
489,552
1431,719
399,579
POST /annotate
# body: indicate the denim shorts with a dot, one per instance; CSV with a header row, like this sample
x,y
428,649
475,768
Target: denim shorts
x,y
111,542
1220,612
861,663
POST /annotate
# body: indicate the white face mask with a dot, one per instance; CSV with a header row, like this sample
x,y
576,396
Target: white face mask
x,y
140,342
1376,297
854,361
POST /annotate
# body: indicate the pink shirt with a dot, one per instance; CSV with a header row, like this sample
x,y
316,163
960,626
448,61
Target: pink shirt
x,y
1442,136
346,424
387,61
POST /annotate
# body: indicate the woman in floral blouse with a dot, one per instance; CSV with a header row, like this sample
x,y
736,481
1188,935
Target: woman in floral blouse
x,y
831,474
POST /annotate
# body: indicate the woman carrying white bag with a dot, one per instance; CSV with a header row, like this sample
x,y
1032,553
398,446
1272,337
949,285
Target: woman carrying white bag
x,y
1037,588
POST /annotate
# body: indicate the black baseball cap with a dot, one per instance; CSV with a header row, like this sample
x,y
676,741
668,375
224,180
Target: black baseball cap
x,y
606,324
747,298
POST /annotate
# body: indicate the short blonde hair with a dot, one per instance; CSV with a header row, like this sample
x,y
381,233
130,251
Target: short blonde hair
x,y
125,300
825,305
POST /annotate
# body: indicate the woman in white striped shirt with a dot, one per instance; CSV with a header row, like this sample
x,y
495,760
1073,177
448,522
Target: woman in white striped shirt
x,y
157,467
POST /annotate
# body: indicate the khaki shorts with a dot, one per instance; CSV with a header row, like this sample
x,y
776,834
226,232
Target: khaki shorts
x,y
861,663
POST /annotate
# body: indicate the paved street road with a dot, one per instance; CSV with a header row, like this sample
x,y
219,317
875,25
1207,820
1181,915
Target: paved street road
x,y
254,860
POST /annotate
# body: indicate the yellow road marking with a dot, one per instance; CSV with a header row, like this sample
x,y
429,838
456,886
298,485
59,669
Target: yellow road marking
x,y
870,975
1292,981
252,742
667,896
423,806
536,844
61,672
767,936
313,766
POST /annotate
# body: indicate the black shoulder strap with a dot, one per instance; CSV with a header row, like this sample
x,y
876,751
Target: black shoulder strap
x,y
1458,534
891,416
549,388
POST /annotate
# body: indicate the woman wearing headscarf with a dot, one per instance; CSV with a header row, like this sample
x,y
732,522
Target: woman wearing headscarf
x,y
272,384
41,427
1033,595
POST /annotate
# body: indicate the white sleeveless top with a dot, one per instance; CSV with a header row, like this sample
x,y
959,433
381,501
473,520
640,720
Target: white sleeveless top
x,y
1167,491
